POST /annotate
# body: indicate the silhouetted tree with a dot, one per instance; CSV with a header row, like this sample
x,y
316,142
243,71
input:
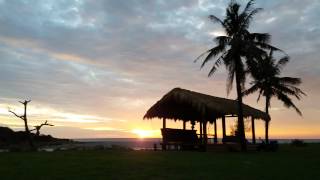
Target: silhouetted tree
x,y
234,127
236,49
37,128
268,84
25,120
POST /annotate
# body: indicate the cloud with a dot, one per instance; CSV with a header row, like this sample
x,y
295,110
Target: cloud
x,y
114,59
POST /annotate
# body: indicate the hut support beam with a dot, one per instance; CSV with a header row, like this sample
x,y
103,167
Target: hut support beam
x,y
164,143
253,131
223,128
205,136
215,132
200,123
184,125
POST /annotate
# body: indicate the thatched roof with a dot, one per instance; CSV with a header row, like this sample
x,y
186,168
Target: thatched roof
x,y
182,104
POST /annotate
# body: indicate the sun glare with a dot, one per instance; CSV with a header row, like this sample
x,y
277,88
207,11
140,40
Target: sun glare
x,y
144,133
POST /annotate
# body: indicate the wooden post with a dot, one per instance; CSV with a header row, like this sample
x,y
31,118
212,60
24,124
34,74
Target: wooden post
x,y
223,128
184,125
164,123
200,123
253,131
215,132
205,136
164,143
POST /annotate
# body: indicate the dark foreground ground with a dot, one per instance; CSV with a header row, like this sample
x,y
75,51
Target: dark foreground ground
x,y
288,163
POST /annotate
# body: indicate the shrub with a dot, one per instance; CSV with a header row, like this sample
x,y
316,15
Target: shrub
x,y
298,143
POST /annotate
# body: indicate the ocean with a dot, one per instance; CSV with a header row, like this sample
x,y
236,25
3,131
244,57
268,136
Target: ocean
x,y
133,143
148,143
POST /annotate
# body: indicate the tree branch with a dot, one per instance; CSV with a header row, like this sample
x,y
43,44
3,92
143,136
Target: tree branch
x,y
43,124
25,102
21,117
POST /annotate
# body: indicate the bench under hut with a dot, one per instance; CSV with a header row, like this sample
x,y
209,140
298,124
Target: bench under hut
x,y
193,107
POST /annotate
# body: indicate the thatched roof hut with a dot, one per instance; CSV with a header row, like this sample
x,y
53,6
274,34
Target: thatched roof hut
x,y
186,105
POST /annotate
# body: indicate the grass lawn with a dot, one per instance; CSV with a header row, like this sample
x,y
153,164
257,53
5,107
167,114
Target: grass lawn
x,y
288,163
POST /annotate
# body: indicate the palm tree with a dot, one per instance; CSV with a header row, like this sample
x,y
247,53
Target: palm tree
x,y
268,84
236,49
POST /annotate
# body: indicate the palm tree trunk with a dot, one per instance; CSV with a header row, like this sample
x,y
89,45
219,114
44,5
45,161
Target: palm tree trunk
x,y
241,131
267,132
267,121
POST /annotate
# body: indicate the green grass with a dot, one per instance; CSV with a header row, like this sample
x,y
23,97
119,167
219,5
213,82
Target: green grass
x,y
288,163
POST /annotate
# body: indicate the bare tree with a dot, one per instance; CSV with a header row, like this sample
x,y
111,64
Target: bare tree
x,y
37,128
25,120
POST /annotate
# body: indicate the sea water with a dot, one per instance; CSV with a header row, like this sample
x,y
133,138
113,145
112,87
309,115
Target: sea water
x,y
148,143
133,143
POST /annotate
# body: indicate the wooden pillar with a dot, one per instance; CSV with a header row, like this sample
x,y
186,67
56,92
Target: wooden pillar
x,y
215,132
253,131
184,125
200,123
205,136
223,128
164,143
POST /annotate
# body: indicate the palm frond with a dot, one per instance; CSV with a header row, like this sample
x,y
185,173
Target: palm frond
x,y
215,19
289,80
248,16
230,79
293,91
251,90
242,74
222,40
282,62
201,55
260,93
249,6
287,101
298,91
212,53
216,65
260,37
268,46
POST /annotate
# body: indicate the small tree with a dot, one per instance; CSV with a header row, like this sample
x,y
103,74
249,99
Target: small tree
x,y
25,120
234,127
37,128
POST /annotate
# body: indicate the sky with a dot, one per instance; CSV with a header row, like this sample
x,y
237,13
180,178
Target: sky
x,y
93,68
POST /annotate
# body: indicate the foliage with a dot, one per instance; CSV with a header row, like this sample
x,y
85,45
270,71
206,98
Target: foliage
x,y
298,143
268,83
238,45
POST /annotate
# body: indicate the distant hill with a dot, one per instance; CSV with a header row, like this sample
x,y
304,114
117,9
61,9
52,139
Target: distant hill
x,y
9,137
